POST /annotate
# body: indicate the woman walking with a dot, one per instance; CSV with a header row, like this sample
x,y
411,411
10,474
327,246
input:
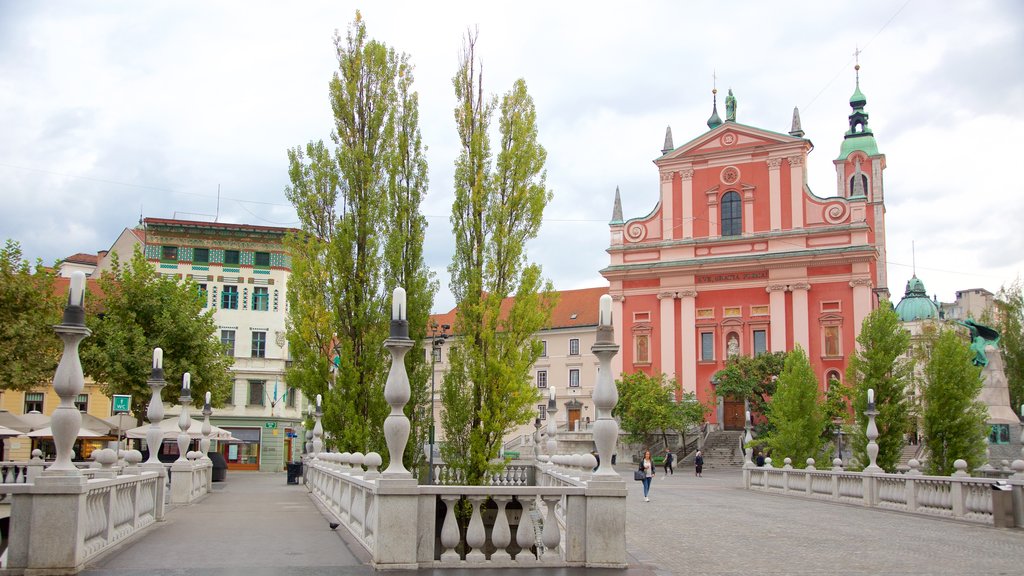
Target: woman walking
x,y
698,463
647,467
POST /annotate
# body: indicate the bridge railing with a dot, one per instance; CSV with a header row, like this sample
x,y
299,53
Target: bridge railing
x,y
958,496
509,522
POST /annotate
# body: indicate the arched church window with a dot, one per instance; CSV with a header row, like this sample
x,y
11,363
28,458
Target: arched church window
x,y
732,214
863,190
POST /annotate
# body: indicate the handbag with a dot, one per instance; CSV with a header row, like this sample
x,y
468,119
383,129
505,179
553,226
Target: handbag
x,y
638,475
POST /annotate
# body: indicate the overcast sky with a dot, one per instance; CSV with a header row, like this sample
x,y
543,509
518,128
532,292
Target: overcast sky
x,y
112,109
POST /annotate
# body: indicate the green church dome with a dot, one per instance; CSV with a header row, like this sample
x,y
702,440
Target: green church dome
x,y
915,304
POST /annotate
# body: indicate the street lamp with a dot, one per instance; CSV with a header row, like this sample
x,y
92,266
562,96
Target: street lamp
x,y
436,341
839,437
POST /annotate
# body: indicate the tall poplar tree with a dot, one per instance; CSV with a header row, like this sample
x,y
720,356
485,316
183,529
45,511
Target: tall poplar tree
x,y
358,205
881,363
796,412
1010,319
954,418
502,299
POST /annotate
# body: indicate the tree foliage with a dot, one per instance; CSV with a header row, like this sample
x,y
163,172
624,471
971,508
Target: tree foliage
x,y
752,378
796,412
647,407
954,418
1010,307
502,299
362,235
141,310
881,363
29,349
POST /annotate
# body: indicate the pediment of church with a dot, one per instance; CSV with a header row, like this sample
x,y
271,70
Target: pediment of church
x,y
730,137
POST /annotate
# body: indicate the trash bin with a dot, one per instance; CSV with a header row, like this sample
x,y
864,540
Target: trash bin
x,y
294,471
220,466
1002,505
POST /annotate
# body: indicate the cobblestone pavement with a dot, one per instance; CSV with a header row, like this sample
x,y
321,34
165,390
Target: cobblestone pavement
x,y
711,526
255,525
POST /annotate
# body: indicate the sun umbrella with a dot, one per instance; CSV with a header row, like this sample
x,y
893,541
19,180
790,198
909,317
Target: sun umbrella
x,y
121,422
6,432
35,420
170,430
82,433
13,422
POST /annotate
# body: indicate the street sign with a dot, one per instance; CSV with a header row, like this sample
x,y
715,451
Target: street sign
x,y
122,403
270,424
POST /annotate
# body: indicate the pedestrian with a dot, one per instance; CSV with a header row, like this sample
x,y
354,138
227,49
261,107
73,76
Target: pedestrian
x,y
647,467
668,461
698,464
760,460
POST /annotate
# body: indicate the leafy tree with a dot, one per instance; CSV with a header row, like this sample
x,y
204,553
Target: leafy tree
x,y
343,265
647,407
141,310
954,418
29,349
795,412
502,299
1010,306
836,409
752,378
881,363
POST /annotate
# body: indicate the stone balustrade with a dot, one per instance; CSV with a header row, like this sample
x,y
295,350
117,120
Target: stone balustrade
x,y
96,514
508,522
958,496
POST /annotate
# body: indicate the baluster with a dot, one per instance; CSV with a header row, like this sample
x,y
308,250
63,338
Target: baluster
x,y
449,530
526,536
475,535
552,536
501,534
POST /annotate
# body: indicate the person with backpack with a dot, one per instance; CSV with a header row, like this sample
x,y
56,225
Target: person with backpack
x,y
698,464
669,457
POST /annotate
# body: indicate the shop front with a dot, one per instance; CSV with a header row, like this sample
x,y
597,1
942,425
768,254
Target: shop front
x,y
244,452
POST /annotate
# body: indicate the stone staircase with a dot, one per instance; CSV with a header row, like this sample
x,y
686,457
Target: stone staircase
x,y
910,452
721,450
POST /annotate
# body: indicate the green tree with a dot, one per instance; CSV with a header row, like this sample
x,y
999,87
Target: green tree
x,y
502,299
796,412
881,363
141,310
836,412
647,407
29,349
954,418
751,378
344,266
1010,312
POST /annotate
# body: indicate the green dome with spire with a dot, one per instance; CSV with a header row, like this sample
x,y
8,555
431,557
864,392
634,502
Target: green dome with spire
x,y
915,304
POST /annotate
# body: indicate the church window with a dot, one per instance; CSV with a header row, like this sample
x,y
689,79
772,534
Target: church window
x,y
732,214
831,340
760,342
707,346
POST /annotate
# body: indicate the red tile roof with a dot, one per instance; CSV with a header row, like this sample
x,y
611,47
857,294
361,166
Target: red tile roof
x,y
574,308
83,258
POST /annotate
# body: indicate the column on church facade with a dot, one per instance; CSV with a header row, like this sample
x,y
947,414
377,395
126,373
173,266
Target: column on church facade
x,y
687,181
796,183
667,301
667,231
774,194
748,209
688,321
801,324
861,302
777,316
712,196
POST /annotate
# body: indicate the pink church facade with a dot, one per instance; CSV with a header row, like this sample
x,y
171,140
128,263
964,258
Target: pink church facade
x,y
740,257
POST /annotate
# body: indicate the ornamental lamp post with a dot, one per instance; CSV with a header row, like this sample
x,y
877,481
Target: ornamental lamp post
x,y
436,342
69,380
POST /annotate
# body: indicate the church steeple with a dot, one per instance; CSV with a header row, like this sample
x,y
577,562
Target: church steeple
x,y
714,121
859,136
667,147
617,209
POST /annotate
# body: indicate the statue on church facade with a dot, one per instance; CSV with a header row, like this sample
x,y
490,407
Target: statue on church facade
x,y
730,107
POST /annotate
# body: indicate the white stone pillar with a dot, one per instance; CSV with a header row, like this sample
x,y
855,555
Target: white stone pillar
x,y
667,207
777,315
861,304
801,327
796,180
606,395
617,316
686,177
667,333
774,194
687,323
